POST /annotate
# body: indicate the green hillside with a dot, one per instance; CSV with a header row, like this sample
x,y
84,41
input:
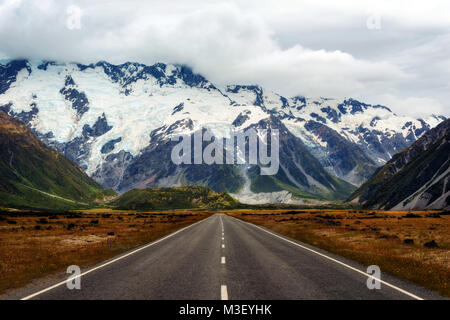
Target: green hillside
x,y
36,176
174,198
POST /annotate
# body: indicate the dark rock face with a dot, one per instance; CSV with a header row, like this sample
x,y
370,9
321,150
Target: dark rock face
x,y
300,102
24,116
109,173
343,156
178,108
109,146
79,148
128,73
352,106
318,118
8,73
331,114
299,168
99,128
44,65
190,78
257,90
241,118
76,150
154,167
379,146
77,99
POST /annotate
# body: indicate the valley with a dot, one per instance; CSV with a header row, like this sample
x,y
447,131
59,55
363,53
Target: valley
x,y
88,179
36,247
187,153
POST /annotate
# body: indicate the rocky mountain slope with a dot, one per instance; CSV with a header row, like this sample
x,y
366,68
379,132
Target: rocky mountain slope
x,y
416,178
113,121
36,176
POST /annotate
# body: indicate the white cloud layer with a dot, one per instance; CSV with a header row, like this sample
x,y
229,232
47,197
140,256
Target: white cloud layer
x,y
292,47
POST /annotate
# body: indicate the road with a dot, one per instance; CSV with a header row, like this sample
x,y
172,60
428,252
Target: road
x,y
225,258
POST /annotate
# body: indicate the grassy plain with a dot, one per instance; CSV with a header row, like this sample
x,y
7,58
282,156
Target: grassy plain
x,y
36,244
393,240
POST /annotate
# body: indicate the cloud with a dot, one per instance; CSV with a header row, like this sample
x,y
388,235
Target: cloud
x,y
415,106
316,72
308,48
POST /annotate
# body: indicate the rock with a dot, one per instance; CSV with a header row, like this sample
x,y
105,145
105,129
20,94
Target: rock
x,y
431,244
408,241
433,215
412,215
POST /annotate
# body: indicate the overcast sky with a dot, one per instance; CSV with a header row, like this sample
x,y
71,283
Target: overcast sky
x,y
395,53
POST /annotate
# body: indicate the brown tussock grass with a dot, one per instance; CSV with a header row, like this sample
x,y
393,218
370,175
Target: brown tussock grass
x,y
371,238
35,246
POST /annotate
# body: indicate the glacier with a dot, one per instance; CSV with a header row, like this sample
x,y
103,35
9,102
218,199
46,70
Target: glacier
x,y
106,116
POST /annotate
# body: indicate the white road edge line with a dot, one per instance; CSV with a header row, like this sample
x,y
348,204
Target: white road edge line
x,y
223,292
223,260
334,260
112,261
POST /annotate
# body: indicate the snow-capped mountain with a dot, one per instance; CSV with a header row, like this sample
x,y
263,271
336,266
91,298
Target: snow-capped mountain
x,y
415,179
116,122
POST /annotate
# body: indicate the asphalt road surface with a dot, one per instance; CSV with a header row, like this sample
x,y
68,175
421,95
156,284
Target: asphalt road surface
x,y
225,258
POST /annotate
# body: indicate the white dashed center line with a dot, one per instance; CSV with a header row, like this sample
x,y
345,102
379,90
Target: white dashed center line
x,y
223,288
224,292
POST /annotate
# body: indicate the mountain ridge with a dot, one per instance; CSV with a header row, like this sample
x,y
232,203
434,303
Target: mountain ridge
x,y
103,116
415,178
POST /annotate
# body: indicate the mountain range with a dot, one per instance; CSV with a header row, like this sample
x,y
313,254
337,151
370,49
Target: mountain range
x,y
116,123
415,178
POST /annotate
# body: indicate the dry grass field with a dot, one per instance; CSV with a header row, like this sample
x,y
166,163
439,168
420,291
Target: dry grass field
x,y
400,242
33,245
